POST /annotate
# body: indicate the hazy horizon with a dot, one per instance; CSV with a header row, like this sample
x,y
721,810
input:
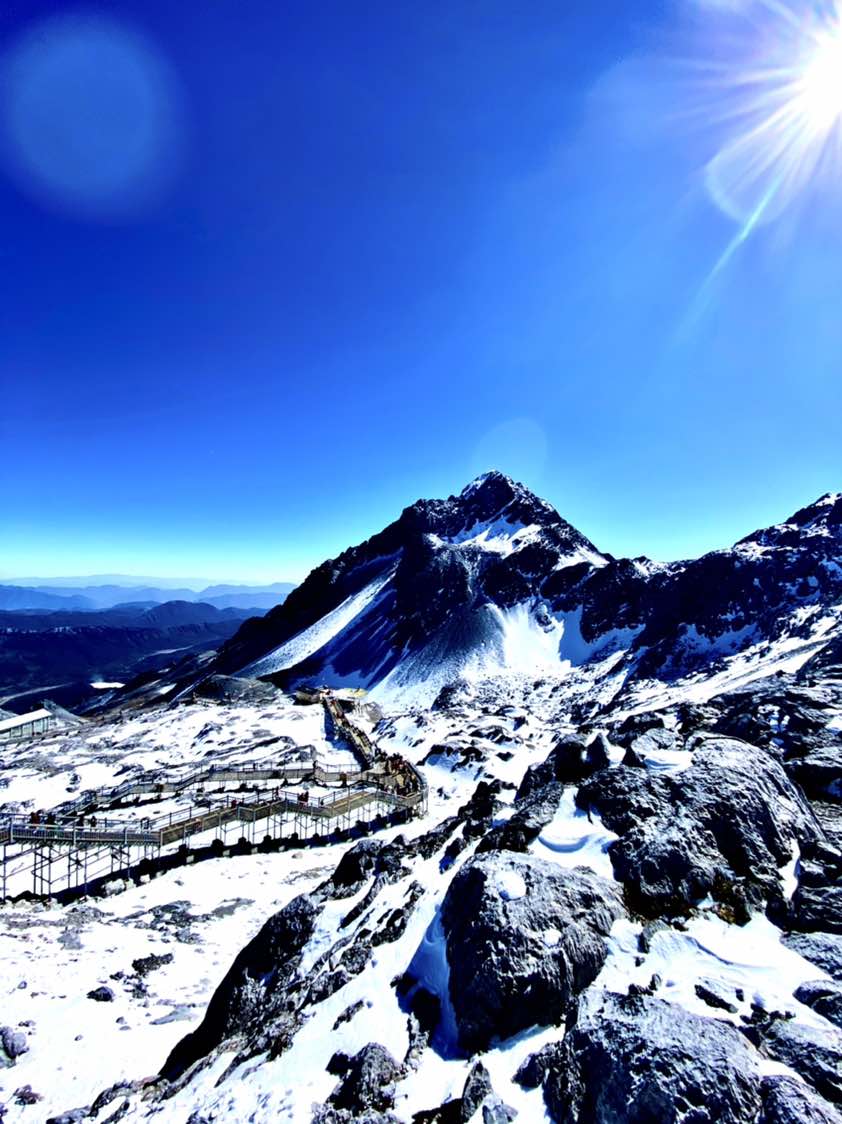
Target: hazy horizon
x,y
176,580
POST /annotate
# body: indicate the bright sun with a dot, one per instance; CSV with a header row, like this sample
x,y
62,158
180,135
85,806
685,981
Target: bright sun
x,y
779,94
821,85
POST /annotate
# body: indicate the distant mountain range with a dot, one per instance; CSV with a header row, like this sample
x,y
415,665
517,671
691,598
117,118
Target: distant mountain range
x,y
108,591
62,652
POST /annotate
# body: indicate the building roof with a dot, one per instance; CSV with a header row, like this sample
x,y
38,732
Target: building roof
x,y
23,719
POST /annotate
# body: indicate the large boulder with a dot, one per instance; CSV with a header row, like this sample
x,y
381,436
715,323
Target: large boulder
x,y
523,937
531,816
818,771
13,1042
637,1060
732,816
569,762
817,907
368,1083
813,1051
788,1101
825,998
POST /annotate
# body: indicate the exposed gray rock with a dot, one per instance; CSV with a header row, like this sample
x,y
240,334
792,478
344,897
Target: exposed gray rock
x,y
146,964
640,1060
716,995
817,907
533,1071
254,986
787,1101
524,936
818,771
102,994
569,762
724,826
477,1088
369,1081
13,1042
822,949
825,997
815,1053
531,816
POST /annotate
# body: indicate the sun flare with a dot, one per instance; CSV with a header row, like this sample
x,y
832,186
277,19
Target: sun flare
x,y
778,98
821,85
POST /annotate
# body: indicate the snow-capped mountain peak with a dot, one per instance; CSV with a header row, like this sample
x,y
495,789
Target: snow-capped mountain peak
x,y
494,579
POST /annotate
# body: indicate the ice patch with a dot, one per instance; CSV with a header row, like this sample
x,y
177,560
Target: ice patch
x,y
576,838
510,885
789,873
735,960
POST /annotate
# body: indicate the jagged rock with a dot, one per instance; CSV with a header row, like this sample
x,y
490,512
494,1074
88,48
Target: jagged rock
x,y
26,1095
824,996
815,1053
364,860
368,1083
635,725
817,907
714,994
477,1088
524,936
822,949
146,964
531,816
641,1060
732,815
533,1071
102,994
253,986
787,1101
13,1042
476,1093
495,1112
72,1116
818,772
569,762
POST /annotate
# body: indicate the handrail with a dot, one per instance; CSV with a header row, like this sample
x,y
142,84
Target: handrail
x,y
375,783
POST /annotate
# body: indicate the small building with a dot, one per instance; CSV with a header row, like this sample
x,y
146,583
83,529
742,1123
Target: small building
x,y
27,725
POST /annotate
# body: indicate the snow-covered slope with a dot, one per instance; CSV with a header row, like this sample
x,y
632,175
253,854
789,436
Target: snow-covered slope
x,y
494,581
622,904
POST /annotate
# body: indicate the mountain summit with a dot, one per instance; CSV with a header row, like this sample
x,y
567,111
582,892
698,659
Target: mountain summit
x,y
495,580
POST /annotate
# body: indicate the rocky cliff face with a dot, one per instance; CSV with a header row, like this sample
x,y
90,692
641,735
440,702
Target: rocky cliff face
x,y
495,580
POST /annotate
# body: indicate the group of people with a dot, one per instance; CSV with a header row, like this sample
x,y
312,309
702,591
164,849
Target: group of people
x,y
48,819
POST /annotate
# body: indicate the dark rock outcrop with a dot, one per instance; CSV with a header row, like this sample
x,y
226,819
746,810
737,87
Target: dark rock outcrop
x,y
570,761
368,1083
817,907
822,949
523,936
815,1053
732,815
253,986
825,998
640,1060
13,1042
787,1101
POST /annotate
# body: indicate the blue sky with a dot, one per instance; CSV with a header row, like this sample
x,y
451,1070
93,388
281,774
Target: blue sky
x,y
267,280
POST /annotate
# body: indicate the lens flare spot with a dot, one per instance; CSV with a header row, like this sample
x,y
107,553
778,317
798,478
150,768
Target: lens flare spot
x,y
91,116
